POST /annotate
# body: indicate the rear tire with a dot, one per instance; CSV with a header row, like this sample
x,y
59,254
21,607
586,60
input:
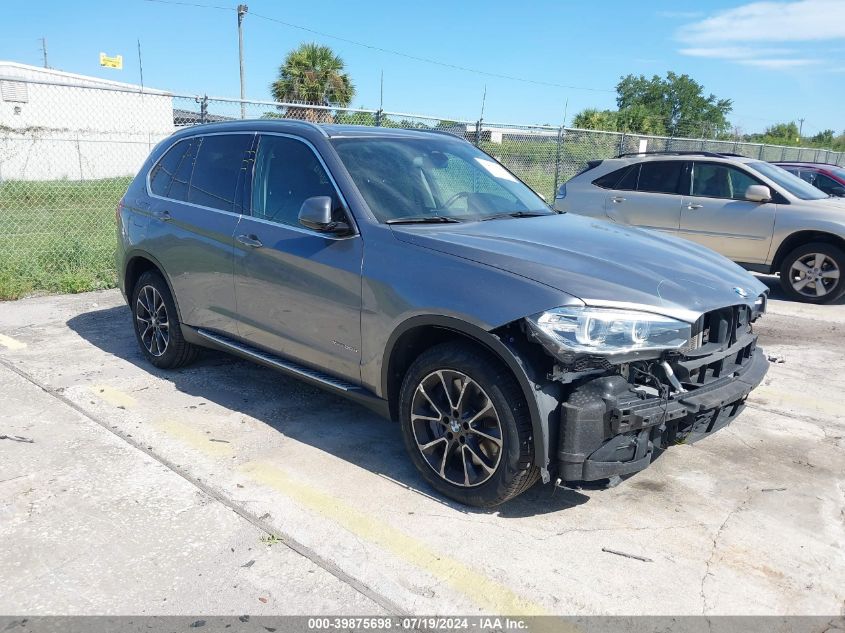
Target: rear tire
x,y
466,425
156,324
813,268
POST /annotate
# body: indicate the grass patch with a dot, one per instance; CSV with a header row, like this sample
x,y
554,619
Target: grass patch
x,y
57,236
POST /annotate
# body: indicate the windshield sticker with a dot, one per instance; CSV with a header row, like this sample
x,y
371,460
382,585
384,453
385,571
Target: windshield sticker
x,y
495,169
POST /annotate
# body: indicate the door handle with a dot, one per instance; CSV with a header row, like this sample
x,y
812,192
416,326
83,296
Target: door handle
x,y
250,240
693,207
164,216
617,199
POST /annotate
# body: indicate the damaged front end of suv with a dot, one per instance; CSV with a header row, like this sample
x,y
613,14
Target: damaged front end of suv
x,y
631,383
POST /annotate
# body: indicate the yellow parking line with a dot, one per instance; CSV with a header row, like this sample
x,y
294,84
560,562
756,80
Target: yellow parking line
x,y
9,343
114,397
492,596
203,442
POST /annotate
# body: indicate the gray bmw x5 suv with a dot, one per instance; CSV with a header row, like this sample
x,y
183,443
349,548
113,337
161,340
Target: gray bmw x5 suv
x,y
411,272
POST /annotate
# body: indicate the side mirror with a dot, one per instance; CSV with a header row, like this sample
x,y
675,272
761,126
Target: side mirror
x,y
316,214
839,192
758,193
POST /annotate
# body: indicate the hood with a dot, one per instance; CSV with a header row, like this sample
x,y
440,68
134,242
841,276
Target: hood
x,y
601,263
832,207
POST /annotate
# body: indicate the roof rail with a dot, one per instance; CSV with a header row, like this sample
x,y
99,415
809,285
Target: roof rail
x,y
804,162
682,153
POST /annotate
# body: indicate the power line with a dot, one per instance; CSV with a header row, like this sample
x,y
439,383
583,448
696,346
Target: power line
x,y
389,51
193,4
416,57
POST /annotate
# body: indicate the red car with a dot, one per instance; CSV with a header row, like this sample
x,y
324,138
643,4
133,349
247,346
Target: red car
x,y
828,178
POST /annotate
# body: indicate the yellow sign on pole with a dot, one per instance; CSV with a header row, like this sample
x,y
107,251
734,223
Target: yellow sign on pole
x,y
111,62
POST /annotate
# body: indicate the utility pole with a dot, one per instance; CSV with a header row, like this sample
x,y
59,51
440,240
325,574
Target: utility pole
x,y
44,51
800,130
242,9
380,99
140,65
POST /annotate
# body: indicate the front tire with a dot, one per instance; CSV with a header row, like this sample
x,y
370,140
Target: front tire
x,y
466,425
156,324
812,273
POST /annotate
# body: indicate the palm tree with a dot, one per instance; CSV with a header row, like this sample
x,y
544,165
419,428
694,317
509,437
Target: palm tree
x,y
312,74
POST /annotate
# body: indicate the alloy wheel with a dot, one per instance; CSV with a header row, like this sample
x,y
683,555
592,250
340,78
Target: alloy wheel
x,y
152,321
456,428
814,275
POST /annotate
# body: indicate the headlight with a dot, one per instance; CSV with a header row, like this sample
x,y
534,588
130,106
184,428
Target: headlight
x,y
619,335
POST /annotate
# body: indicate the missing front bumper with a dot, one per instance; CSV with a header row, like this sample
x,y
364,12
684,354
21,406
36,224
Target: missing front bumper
x,y
607,429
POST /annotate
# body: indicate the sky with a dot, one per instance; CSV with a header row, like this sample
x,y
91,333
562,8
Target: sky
x,y
540,61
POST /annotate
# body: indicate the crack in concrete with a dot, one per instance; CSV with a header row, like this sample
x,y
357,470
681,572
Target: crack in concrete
x,y
715,546
215,495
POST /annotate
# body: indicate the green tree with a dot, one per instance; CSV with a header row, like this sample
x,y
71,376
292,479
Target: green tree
x,y
355,118
312,74
777,134
676,103
593,119
824,139
639,120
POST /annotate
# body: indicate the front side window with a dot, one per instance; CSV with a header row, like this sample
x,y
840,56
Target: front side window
x,y
219,164
287,173
717,180
440,176
825,183
660,176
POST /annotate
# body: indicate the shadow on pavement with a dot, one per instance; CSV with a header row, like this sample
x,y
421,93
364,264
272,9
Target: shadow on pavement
x,y
334,425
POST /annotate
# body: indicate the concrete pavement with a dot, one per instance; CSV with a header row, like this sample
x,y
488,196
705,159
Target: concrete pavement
x,y
148,491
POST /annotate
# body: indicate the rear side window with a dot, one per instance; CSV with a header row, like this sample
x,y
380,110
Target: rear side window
x,y
220,162
614,179
660,176
629,179
177,160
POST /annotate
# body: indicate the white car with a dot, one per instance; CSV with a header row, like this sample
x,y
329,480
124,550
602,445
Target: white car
x,y
755,213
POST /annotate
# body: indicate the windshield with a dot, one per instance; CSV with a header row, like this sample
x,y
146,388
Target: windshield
x,y
419,178
792,183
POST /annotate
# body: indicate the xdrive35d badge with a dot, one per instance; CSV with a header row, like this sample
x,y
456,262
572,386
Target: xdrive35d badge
x,y
411,272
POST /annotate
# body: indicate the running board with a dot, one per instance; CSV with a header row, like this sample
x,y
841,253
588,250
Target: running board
x,y
335,385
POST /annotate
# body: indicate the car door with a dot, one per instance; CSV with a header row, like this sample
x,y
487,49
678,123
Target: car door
x,y
195,192
716,214
298,290
648,196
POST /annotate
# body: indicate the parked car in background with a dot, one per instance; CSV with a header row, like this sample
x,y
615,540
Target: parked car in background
x,y
828,178
759,215
411,272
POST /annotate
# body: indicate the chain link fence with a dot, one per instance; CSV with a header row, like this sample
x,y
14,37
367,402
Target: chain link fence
x,y
68,152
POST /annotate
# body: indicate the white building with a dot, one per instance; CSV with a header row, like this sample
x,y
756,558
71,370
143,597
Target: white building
x,y
497,134
59,125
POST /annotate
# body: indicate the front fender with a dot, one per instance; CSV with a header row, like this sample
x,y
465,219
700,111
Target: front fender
x,y
543,401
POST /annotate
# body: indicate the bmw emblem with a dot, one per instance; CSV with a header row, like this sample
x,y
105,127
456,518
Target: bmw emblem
x,y
742,292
